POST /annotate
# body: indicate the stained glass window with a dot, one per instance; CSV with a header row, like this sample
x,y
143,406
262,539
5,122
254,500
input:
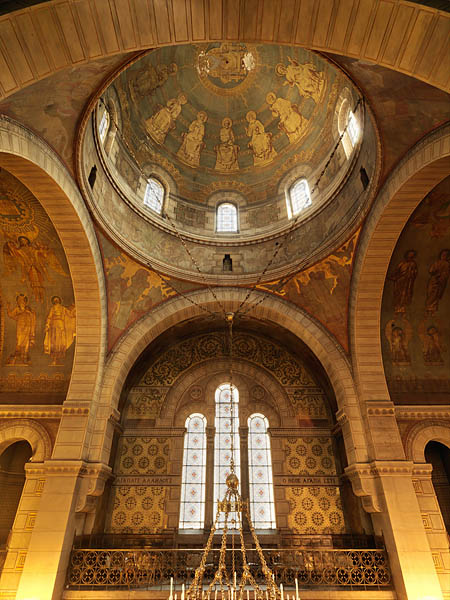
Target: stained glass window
x,y
262,507
227,217
227,430
192,508
154,195
299,196
104,125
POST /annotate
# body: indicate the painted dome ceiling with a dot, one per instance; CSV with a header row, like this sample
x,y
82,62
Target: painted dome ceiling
x,y
229,115
230,122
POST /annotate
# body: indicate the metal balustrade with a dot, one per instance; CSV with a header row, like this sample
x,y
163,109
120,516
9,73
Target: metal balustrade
x,y
152,568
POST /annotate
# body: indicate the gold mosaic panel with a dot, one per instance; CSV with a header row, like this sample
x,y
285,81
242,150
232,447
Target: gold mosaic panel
x,y
142,456
315,510
309,456
138,509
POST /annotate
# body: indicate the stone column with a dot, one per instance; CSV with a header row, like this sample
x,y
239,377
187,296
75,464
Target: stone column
x,y
385,485
433,524
19,538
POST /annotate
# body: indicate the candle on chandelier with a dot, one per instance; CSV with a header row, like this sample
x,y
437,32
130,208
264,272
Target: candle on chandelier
x,y
296,589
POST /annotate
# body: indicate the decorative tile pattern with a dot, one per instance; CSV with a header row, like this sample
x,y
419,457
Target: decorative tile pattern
x,y
137,509
315,510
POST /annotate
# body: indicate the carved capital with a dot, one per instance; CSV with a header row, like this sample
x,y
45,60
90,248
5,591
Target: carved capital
x,y
93,479
364,486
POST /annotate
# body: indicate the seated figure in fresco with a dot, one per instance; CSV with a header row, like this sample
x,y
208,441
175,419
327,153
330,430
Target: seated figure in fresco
x,y
159,124
59,331
291,121
227,150
193,144
308,80
25,319
260,142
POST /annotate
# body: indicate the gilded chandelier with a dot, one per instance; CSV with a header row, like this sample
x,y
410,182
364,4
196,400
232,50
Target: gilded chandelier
x,y
225,585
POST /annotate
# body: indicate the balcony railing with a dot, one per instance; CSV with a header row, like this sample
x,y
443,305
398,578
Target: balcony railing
x,y
152,568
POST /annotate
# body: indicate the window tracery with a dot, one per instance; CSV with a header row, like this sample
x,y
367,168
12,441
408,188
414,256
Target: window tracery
x,y
226,219
192,504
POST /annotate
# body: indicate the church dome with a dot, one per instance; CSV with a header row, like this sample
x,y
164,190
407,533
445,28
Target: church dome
x,y
231,146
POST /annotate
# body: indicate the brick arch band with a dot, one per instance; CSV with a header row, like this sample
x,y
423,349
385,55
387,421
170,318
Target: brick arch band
x,y
30,431
44,39
33,162
421,434
272,309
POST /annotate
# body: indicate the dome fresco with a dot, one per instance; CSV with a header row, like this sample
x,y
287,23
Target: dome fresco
x,y
230,115
229,123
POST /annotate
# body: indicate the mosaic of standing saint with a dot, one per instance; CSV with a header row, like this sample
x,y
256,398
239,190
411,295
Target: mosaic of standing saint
x,y
193,144
260,142
226,150
291,121
159,124
309,81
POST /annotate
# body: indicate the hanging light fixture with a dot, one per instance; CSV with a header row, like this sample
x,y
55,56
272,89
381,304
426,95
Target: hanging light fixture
x,y
232,512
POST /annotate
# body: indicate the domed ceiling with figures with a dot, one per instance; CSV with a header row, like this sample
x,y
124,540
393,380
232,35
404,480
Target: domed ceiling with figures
x,y
217,115
229,122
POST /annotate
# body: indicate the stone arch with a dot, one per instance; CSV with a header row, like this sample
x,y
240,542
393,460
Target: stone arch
x,y
33,162
419,172
30,431
273,309
402,36
421,434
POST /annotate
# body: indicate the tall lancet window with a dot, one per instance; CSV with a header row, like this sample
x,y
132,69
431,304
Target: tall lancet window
x,y
192,506
262,506
227,429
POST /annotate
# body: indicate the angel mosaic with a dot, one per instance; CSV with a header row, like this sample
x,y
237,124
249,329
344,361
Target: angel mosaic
x,y
226,150
398,335
159,124
193,144
291,121
260,142
309,81
59,331
35,261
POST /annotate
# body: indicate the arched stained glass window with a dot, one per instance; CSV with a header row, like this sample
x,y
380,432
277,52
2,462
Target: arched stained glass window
x,y
227,218
227,429
299,197
104,125
348,127
192,507
154,195
262,506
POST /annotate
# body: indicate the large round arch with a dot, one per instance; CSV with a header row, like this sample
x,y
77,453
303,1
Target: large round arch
x,y
43,39
421,170
272,310
31,160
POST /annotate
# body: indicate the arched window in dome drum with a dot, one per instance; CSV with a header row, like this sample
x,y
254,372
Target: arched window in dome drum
x,y
299,197
105,122
192,505
154,195
227,429
348,127
262,505
226,219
